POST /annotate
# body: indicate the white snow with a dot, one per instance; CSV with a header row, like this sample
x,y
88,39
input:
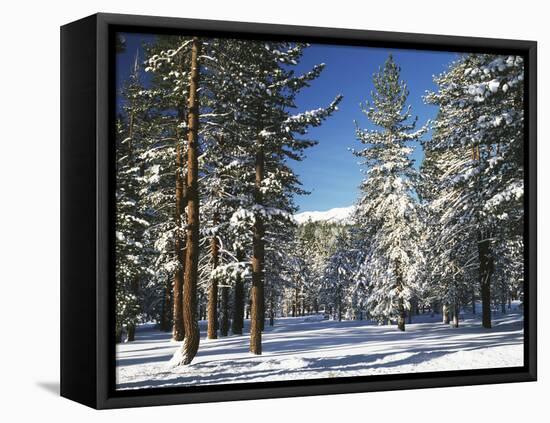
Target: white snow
x,y
338,215
493,85
310,348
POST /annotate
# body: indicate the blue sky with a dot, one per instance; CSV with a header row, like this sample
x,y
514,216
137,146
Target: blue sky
x,y
330,171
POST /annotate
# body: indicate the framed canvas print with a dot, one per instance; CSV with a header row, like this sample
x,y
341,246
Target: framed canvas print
x,y
255,211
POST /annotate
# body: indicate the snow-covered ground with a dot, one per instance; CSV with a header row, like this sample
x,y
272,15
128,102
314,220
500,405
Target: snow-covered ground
x,y
310,348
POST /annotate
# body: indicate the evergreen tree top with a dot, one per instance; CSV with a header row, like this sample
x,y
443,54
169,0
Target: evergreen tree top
x,y
389,97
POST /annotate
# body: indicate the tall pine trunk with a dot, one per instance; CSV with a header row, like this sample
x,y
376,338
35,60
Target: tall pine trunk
x,y
131,327
131,332
118,334
456,315
178,333
485,263
257,294
271,307
296,302
446,315
303,302
224,310
401,313
213,290
339,305
238,301
503,298
401,316
485,272
262,305
192,335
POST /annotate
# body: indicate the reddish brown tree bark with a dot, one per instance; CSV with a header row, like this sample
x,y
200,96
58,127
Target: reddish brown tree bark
x,y
192,336
258,253
178,333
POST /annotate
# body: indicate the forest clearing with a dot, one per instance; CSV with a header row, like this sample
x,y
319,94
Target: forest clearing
x,y
407,257
310,348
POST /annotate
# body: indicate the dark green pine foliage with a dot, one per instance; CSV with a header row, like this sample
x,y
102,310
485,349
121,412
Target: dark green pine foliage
x,y
388,212
477,144
131,215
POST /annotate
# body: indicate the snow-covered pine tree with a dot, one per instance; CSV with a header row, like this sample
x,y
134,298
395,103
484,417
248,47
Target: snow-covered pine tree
x,y
127,265
450,247
282,269
307,249
221,192
338,278
237,320
314,251
190,277
220,162
224,166
509,272
322,245
165,170
130,213
269,88
387,211
480,126
185,83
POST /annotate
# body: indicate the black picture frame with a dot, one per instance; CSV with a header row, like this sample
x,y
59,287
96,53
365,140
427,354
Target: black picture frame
x,y
87,209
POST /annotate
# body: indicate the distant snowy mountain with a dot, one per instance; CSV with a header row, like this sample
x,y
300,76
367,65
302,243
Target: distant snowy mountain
x,y
337,215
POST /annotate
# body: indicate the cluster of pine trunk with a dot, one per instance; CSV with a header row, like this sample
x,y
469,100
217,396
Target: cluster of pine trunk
x,y
178,122
294,285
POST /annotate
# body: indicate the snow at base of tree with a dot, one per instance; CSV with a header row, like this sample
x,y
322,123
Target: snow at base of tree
x,y
311,348
337,215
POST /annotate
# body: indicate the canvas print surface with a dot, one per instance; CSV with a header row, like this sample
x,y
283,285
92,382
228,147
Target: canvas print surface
x,y
302,211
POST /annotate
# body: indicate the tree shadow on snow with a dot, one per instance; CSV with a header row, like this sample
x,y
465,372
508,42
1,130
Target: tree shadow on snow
x,y
418,344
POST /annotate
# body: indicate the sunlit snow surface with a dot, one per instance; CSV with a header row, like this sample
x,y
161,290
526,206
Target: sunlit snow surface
x,y
341,215
311,348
